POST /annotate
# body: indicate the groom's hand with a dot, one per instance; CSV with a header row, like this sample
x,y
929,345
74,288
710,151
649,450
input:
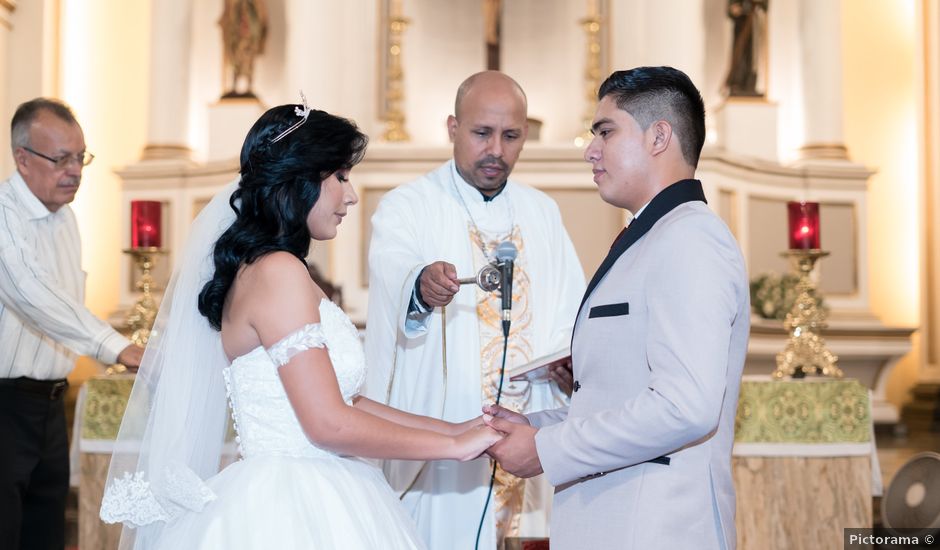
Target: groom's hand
x,y
497,411
516,452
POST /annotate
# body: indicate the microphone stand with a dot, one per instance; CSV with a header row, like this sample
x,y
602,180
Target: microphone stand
x,y
506,254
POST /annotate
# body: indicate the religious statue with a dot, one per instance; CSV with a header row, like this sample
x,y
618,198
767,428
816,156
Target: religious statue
x,y
244,30
748,17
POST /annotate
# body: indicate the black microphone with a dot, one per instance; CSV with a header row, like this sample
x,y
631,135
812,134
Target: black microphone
x,y
505,256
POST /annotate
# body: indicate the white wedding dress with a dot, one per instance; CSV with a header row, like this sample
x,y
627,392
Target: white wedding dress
x,y
285,492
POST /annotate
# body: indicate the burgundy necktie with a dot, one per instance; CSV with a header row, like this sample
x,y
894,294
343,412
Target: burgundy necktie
x,y
621,234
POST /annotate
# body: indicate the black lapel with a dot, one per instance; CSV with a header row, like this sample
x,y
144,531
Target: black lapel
x,y
667,199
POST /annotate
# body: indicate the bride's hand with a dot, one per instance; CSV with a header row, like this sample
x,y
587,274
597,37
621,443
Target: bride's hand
x,y
472,442
457,428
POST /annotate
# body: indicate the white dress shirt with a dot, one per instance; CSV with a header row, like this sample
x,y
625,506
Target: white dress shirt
x,y
44,324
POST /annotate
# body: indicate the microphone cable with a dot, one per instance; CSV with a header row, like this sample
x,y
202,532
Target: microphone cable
x,y
499,393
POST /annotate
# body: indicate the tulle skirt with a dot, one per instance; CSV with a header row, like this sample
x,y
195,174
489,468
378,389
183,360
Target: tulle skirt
x,y
287,503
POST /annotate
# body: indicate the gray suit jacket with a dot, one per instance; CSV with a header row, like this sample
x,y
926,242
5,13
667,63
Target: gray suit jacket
x,y
658,351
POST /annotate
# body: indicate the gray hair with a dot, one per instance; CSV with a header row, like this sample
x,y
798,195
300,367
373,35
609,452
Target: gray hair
x,y
28,112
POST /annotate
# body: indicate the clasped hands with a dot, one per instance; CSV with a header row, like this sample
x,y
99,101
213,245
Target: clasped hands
x,y
515,450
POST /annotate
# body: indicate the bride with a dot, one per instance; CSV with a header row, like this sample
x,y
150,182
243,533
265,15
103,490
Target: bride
x,y
289,362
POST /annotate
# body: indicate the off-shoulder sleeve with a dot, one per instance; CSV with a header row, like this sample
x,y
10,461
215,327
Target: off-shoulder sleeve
x,y
308,337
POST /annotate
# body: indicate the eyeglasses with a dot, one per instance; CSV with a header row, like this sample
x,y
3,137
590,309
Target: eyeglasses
x,y
83,159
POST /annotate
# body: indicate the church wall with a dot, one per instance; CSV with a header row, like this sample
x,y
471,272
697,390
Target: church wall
x,y
669,32
104,77
440,48
881,110
94,54
717,39
6,26
784,80
325,48
547,58
30,63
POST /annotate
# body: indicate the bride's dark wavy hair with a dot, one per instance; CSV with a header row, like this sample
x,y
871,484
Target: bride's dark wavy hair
x,y
280,183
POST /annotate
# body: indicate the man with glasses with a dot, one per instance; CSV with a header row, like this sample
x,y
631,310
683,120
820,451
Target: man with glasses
x,y
44,324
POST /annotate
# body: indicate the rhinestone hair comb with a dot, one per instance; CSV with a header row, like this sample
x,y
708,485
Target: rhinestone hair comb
x,y
303,113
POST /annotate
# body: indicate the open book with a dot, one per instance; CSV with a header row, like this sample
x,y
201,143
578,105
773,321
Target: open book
x,y
539,368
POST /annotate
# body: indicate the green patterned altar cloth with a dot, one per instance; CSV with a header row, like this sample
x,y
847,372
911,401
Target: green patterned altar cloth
x,y
102,401
823,416
815,416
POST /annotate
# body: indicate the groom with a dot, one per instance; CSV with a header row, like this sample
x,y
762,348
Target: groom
x,y
642,456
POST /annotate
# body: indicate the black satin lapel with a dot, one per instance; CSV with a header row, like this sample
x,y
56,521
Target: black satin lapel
x,y
663,203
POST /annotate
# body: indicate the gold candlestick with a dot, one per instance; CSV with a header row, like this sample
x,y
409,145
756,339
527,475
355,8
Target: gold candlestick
x,y
592,73
805,352
395,77
140,318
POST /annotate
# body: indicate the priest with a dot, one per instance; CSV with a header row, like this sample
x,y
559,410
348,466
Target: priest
x,y
436,348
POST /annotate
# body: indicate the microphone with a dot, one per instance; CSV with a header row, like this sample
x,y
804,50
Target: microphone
x,y
488,279
505,256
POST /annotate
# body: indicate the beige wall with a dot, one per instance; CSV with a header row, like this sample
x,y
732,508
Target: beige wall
x,y
29,65
104,76
881,93
102,70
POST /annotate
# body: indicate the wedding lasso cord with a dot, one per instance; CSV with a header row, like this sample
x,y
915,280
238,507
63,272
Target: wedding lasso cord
x,y
443,401
391,382
489,492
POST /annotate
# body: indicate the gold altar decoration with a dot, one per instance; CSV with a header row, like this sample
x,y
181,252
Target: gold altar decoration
x,y
592,72
805,352
394,77
141,315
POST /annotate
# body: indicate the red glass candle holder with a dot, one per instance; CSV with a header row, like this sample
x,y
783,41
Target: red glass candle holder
x,y
803,218
145,224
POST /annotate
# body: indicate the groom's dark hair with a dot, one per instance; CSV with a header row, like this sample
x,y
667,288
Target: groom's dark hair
x,y
661,93
280,182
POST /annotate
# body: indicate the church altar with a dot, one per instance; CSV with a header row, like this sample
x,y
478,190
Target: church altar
x,y
749,193
98,414
802,460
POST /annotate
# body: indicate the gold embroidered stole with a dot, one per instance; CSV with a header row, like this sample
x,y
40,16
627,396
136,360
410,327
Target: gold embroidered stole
x,y
508,490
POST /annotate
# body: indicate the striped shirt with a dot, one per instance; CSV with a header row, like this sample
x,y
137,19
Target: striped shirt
x,y
44,324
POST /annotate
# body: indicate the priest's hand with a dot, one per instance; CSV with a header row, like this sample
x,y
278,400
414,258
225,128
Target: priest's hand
x,y
562,376
516,452
438,283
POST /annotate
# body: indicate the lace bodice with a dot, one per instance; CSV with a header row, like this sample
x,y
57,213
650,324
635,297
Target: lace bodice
x,y
264,420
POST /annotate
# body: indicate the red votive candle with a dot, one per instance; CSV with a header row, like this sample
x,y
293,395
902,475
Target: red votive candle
x,y
145,224
803,220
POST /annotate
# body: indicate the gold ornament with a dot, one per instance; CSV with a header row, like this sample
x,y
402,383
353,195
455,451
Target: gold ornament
x,y
806,352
